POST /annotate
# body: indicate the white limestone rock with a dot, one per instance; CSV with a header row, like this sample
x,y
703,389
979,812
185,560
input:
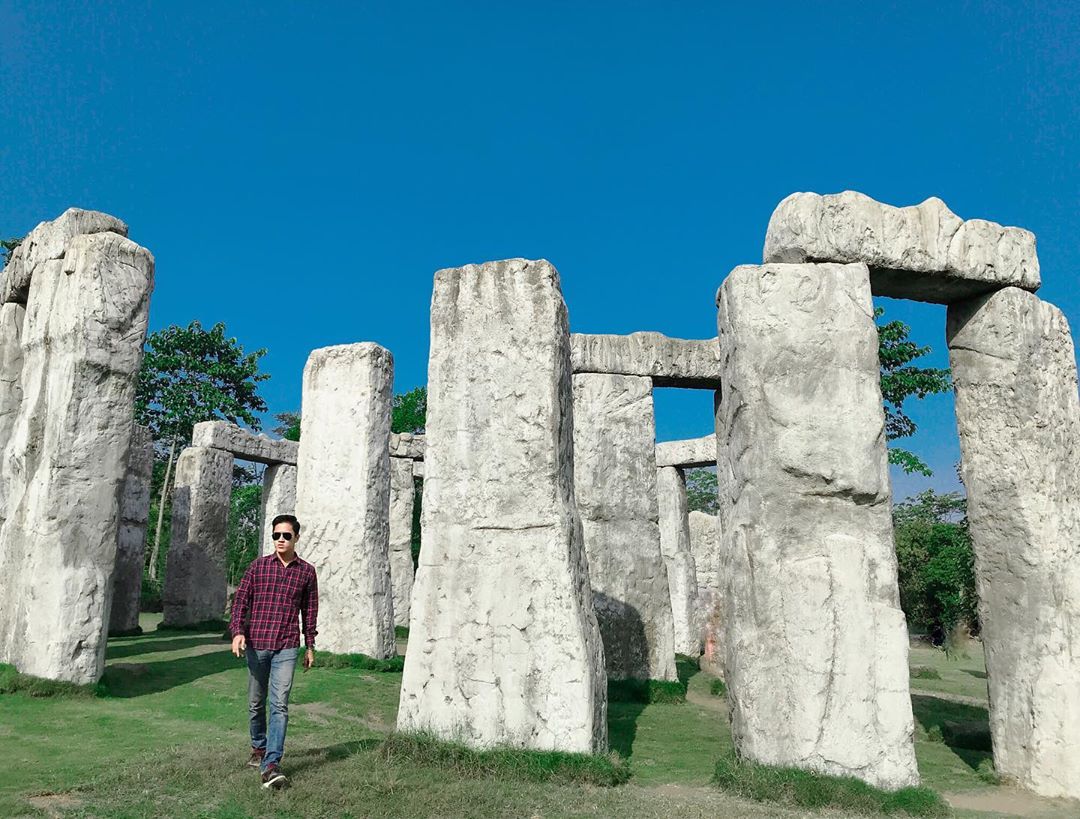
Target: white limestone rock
x,y
278,498
64,462
131,537
816,643
503,645
196,588
687,453
343,495
615,484
1017,410
705,547
245,444
12,316
407,445
923,252
679,562
669,362
48,242
402,494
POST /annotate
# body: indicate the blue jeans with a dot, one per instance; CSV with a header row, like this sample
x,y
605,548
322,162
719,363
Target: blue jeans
x,y
270,671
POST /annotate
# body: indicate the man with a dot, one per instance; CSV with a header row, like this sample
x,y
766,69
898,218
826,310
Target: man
x,y
276,588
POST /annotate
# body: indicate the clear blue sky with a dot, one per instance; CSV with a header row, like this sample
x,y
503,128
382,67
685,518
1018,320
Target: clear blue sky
x,y
300,172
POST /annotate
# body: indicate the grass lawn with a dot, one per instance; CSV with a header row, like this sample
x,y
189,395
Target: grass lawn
x,y
170,739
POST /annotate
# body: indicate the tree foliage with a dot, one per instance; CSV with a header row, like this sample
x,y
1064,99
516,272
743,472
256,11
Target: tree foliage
x,y
288,425
701,491
6,248
936,565
900,381
244,535
409,411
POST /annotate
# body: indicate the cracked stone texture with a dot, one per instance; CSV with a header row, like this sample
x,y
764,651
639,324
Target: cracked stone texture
x,y
923,252
688,453
816,643
195,587
407,445
1014,370
679,562
131,537
669,362
615,481
343,495
66,455
48,242
244,443
12,316
504,647
278,498
402,493
705,548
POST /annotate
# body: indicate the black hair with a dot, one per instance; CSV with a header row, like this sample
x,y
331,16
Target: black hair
x,y
289,519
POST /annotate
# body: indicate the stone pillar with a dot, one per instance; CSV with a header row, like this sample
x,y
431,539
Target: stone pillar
x,y
402,493
679,562
278,498
503,646
1018,414
195,572
87,300
343,495
12,316
131,539
816,642
615,482
705,549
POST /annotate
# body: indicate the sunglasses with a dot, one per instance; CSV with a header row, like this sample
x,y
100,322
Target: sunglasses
x,y
279,535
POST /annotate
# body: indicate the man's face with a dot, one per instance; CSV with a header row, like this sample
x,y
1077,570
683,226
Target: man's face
x,y
284,539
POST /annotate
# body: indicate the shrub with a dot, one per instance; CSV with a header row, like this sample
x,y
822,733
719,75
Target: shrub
x,y
718,688
360,662
925,672
646,691
806,789
507,763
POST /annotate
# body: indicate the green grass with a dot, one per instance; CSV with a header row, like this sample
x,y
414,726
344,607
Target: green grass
x,y
507,763
805,789
15,682
646,691
219,626
360,662
401,632
925,672
718,688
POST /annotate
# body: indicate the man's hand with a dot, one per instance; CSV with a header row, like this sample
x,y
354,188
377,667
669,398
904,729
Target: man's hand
x,y
239,644
309,658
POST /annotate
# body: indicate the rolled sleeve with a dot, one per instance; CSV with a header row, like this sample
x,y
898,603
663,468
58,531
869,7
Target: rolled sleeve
x,y
311,611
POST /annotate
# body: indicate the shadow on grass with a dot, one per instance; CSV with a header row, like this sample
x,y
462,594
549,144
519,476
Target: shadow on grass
x,y
314,758
964,729
622,726
138,679
115,652
978,674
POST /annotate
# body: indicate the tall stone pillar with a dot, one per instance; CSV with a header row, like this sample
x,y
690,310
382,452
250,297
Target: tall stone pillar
x,y
343,495
131,538
1017,410
816,642
402,494
503,645
195,572
12,316
278,498
678,560
705,549
615,482
87,297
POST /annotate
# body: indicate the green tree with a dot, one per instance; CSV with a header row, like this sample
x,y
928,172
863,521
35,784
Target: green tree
x,y
900,381
288,425
408,412
6,248
244,535
191,374
701,491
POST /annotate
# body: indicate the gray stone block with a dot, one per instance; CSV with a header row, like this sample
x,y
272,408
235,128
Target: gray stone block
x,y
245,444
278,498
402,493
675,546
687,453
669,362
131,537
407,445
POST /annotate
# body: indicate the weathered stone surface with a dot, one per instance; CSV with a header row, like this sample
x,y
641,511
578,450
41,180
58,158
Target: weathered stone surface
x,y
705,547
503,646
615,484
406,445
244,443
924,252
64,461
688,453
816,643
278,498
1014,368
669,362
418,469
11,359
195,587
343,495
679,562
131,537
48,242
402,494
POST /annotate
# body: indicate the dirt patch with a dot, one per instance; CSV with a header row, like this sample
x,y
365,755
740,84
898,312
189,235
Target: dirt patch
x,y
1011,802
323,713
54,804
963,699
708,701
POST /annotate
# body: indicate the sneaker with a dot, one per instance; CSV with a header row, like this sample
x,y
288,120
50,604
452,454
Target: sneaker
x,y
255,760
272,777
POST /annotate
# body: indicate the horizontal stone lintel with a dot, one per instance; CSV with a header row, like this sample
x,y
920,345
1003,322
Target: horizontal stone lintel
x,y
407,445
244,444
688,453
669,362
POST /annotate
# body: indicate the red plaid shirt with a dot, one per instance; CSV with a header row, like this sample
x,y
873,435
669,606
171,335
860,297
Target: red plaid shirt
x,y
274,595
